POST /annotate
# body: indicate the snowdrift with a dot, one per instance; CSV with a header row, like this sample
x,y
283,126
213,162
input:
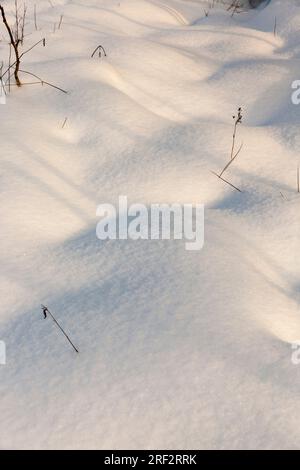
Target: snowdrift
x,y
178,350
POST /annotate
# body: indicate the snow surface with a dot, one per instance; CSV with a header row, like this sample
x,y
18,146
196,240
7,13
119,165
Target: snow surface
x,y
178,349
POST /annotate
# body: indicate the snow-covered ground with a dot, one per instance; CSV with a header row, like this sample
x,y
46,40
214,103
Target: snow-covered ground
x,y
178,349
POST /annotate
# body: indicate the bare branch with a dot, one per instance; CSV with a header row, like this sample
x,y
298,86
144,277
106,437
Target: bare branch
x,y
100,49
225,181
44,81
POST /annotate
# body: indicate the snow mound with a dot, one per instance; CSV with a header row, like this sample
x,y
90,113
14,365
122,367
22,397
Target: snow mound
x,y
178,350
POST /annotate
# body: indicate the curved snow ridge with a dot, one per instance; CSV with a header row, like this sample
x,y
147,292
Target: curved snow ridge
x,y
173,12
128,73
153,121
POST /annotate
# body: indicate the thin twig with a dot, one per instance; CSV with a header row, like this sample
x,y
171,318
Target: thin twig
x,y
15,44
238,120
232,160
282,195
23,24
35,18
9,60
25,52
99,48
225,181
233,153
44,81
60,21
46,312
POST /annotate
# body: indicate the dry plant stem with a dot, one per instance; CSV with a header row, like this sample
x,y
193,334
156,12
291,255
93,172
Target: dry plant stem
x,y
43,82
46,312
99,48
60,22
35,19
15,46
9,61
40,83
233,155
231,161
23,53
298,179
2,89
237,120
233,139
17,19
23,25
235,6
19,28
225,181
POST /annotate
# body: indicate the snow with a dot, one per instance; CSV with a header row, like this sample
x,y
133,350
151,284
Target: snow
x,y
178,349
